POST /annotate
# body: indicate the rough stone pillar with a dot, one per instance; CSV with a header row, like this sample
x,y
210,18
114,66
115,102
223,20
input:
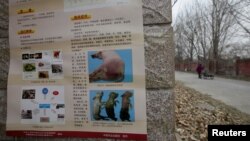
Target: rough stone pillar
x,y
159,52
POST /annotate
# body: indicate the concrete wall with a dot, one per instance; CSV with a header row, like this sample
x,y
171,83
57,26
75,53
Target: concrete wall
x,y
159,74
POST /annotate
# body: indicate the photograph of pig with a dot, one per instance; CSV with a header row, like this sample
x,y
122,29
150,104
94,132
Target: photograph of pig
x,y
110,66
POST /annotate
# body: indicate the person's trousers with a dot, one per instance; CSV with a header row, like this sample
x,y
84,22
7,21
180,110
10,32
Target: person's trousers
x,y
199,75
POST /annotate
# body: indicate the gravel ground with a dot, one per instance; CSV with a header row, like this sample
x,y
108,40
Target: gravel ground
x,y
194,111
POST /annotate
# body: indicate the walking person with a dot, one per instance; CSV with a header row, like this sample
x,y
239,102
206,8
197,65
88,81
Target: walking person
x,y
199,70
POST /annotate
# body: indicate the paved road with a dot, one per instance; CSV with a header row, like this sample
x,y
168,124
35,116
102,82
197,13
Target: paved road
x,y
232,92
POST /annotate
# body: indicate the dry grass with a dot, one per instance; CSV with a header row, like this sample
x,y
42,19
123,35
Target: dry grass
x,y
194,111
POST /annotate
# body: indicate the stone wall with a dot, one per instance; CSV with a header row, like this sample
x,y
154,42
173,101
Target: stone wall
x,y
159,51
4,53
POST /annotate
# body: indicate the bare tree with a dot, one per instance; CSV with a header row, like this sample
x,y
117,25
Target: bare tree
x,y
185,37
202,31
221,22
206,30
240,11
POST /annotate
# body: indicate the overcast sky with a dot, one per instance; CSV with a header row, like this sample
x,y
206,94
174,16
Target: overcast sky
x,y
179,6
182,4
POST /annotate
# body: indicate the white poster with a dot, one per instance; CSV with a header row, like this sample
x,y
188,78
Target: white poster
x,y
77,69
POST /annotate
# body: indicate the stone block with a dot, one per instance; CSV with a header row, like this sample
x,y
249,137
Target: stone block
x,y
160,115
4,19
4,66
3,111
159,56
157,11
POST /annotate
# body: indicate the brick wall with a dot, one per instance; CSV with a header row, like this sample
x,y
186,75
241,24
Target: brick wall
x,y
240,67
191,67
243,67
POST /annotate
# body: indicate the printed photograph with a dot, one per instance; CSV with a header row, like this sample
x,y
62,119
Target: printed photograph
x,y
38,55
57,68
29,67
32,56
41,64
44,65
43,74
26,114
25,56
60,116
112,105
58,106
57,54
29,94
44,119
110,66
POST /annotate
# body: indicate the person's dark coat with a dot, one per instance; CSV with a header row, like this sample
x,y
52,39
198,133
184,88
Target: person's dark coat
x,y
199,69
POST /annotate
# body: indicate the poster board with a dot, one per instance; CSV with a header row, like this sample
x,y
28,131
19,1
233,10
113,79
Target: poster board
x,y
76,69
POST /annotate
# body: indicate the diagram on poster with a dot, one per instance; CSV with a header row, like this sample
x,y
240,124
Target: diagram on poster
x,y
41,105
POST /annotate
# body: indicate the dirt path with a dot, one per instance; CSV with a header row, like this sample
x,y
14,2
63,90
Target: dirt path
x,y
194,111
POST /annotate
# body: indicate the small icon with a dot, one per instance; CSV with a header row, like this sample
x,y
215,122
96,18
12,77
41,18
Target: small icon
x,y
55,93
45,91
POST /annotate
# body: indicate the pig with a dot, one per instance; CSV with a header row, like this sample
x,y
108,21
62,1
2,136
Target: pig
x,y
126,104
112,68
110,105
98,106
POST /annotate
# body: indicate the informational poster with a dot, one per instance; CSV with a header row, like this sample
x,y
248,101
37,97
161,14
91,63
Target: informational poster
x,y
76,69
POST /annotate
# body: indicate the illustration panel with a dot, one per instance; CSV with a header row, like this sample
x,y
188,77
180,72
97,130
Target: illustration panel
x,y
46,64
112,105
42,105
110,66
